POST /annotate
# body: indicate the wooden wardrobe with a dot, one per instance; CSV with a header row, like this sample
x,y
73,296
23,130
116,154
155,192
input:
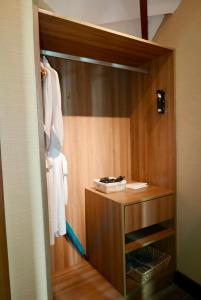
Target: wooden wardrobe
x,y
111,123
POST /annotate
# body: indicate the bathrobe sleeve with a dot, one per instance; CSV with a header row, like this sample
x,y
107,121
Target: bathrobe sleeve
x,y
57,118
47,100
52,205
56,131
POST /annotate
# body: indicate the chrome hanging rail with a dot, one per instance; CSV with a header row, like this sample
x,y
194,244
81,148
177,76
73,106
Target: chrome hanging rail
x,y
92,61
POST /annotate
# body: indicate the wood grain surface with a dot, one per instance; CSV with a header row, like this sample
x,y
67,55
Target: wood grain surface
x,y
4,272
107,225
147,213
95,103
83,282
152,134
131,196
112,127
86,40
104,225
147,240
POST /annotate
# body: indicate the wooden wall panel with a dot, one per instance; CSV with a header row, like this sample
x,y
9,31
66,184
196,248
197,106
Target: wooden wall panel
x,y
96,108
153,134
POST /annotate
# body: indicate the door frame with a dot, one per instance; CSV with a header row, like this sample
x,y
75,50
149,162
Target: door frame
x,y
4,268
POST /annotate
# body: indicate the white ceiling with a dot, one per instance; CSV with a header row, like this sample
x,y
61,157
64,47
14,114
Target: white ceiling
x,y
115,14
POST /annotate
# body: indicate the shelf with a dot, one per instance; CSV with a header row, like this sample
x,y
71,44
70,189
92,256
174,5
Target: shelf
x,y
87,40
147,240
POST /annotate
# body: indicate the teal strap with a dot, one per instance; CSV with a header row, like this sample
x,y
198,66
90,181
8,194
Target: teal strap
x,y
73,238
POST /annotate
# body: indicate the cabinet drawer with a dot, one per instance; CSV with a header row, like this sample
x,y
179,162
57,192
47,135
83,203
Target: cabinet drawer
x,y
148,213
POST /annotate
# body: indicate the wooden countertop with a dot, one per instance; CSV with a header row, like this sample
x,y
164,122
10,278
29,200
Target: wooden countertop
x,y
130,196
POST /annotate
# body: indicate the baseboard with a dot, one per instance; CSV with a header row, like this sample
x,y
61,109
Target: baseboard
x,y
188,285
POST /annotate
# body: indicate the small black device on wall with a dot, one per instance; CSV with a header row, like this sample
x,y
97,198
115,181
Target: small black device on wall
x,y
160,101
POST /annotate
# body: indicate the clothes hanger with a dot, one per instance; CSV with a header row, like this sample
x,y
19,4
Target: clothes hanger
x,y
42,70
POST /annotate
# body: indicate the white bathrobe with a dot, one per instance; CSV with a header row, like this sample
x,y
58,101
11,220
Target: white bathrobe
x,y
57,194
53,112
47,98
56,162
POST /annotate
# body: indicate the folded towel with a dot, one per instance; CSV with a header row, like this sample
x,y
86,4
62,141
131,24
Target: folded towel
x,y
136,185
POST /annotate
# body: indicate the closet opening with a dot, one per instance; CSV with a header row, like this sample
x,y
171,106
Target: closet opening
x,y
111,127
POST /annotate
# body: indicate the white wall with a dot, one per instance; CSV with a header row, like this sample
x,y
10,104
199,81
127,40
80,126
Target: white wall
x,y
133,27
20,153
182,31
123,16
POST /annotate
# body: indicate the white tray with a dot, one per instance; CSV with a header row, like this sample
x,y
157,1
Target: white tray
x,y
109,187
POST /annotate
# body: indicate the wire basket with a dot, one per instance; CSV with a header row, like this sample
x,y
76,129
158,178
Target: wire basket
x,y
147,262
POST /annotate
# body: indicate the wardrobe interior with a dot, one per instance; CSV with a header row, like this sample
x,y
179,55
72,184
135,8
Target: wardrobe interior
x,y
111,123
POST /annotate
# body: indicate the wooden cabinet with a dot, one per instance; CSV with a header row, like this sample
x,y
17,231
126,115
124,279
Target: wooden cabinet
x,y
112,127
109,217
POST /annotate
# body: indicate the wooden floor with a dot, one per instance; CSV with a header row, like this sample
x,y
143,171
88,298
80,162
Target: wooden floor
x,y
83,282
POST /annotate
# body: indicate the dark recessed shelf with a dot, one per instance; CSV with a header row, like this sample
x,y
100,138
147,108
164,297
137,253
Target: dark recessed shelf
x,y
146,236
